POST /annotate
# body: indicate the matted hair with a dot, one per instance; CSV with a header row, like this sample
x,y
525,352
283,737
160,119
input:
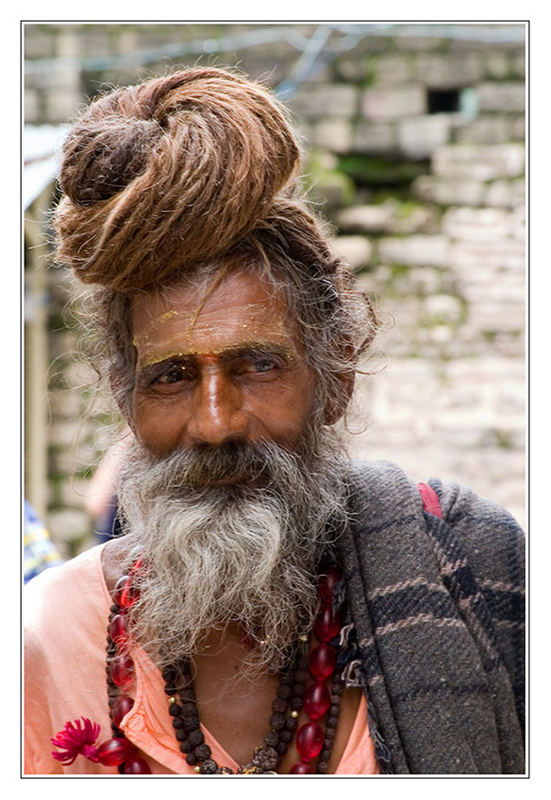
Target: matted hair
x,y
180,177
168,173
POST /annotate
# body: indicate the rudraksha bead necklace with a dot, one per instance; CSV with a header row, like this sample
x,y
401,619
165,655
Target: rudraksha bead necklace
x,y
292,695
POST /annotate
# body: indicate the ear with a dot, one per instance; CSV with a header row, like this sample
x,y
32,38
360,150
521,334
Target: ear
x,y
121,398
334,410
346,376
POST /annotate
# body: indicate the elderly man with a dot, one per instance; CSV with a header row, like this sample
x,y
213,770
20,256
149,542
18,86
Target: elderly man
x,y
272,607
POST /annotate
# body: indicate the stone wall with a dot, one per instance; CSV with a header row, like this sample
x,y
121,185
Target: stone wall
x,y
414,152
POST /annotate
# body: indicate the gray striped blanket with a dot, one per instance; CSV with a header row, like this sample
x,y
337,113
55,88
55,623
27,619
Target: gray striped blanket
x,y
436,625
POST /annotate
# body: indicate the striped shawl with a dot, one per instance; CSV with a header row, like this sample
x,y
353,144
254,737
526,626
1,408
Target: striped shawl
x,y
437,635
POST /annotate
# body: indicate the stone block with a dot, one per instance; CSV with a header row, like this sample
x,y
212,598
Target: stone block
x,y
72,492
65,403
68,43
393,103
479,162
38,44
67,525
419,219
418,251
418,137
391,69
128,41
519,64
423,44
388,217
332,100
493,285
497,316
32,106
439,71
518,223
425,280
62,103
333,134
446,192
332,189
354,250
375,137
477,224
510,39
367,218
507,255
518,128
64,434
370,45
505,193
447,309
506,96
485,130
353,69
496,64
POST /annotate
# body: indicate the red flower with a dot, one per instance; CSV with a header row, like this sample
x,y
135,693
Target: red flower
x,y
76,738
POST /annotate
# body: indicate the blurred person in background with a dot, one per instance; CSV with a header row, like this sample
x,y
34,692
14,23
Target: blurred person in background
x,y
39,552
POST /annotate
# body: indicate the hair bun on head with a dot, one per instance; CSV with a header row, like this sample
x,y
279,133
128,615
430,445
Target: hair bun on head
x,y
105,158
169,173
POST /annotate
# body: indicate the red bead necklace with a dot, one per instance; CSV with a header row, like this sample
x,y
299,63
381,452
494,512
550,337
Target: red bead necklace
x,y
317,700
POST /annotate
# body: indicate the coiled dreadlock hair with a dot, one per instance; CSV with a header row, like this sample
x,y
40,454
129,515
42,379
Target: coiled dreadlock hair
x,y
179,176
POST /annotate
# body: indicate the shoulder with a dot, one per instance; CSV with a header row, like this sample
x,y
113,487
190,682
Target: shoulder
x,y
383,496
64,598
491,537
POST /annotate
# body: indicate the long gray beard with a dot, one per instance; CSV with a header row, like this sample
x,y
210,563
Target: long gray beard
x,y
245,553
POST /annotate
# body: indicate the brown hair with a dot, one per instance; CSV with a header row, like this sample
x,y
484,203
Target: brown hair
x,y
179,177
168,173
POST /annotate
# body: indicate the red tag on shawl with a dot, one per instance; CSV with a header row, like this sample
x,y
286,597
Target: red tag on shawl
x,y
430,499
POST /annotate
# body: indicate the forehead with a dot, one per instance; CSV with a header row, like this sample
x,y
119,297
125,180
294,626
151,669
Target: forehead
x,y
238,309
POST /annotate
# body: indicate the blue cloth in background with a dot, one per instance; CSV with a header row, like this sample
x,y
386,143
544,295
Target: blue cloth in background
x,y
39,551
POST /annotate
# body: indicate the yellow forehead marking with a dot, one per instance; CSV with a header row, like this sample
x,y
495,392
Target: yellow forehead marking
x,y
148,360
195,321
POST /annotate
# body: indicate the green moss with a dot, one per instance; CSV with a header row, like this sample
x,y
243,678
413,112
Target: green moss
x,y
367,170
400,194
85,472
326,183
407,208
430,320
370,72
497,437
56,482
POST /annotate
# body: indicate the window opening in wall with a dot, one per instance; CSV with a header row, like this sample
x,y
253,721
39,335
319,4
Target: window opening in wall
x,y
449,101
442,100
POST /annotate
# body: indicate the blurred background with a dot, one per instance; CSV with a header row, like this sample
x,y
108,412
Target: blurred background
x,y
414,153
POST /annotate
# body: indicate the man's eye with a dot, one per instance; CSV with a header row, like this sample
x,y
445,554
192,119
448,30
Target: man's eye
x,y
259,365
263,365
256,366
175,373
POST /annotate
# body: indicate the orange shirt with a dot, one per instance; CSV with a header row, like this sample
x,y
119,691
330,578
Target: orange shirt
x,y
66,610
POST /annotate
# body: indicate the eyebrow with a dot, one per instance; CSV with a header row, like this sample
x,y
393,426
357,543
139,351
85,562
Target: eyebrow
x,y
223,356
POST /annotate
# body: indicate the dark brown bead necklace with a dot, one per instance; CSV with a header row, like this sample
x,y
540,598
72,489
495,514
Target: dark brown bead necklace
x,y
292,694
283,721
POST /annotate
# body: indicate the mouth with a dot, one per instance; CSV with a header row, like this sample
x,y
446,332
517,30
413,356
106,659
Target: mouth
x,y
254,479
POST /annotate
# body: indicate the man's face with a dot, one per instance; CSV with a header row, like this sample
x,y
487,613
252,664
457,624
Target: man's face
x,y
218,364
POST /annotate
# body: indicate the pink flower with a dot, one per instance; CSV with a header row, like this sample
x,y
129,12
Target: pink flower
x,y
76,738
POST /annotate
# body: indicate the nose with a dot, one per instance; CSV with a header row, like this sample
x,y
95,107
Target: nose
x,y
217,413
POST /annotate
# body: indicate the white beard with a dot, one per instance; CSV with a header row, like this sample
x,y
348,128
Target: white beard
x,y
220,555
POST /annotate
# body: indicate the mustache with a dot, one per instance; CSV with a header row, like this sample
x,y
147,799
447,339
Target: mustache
x,y
254,464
